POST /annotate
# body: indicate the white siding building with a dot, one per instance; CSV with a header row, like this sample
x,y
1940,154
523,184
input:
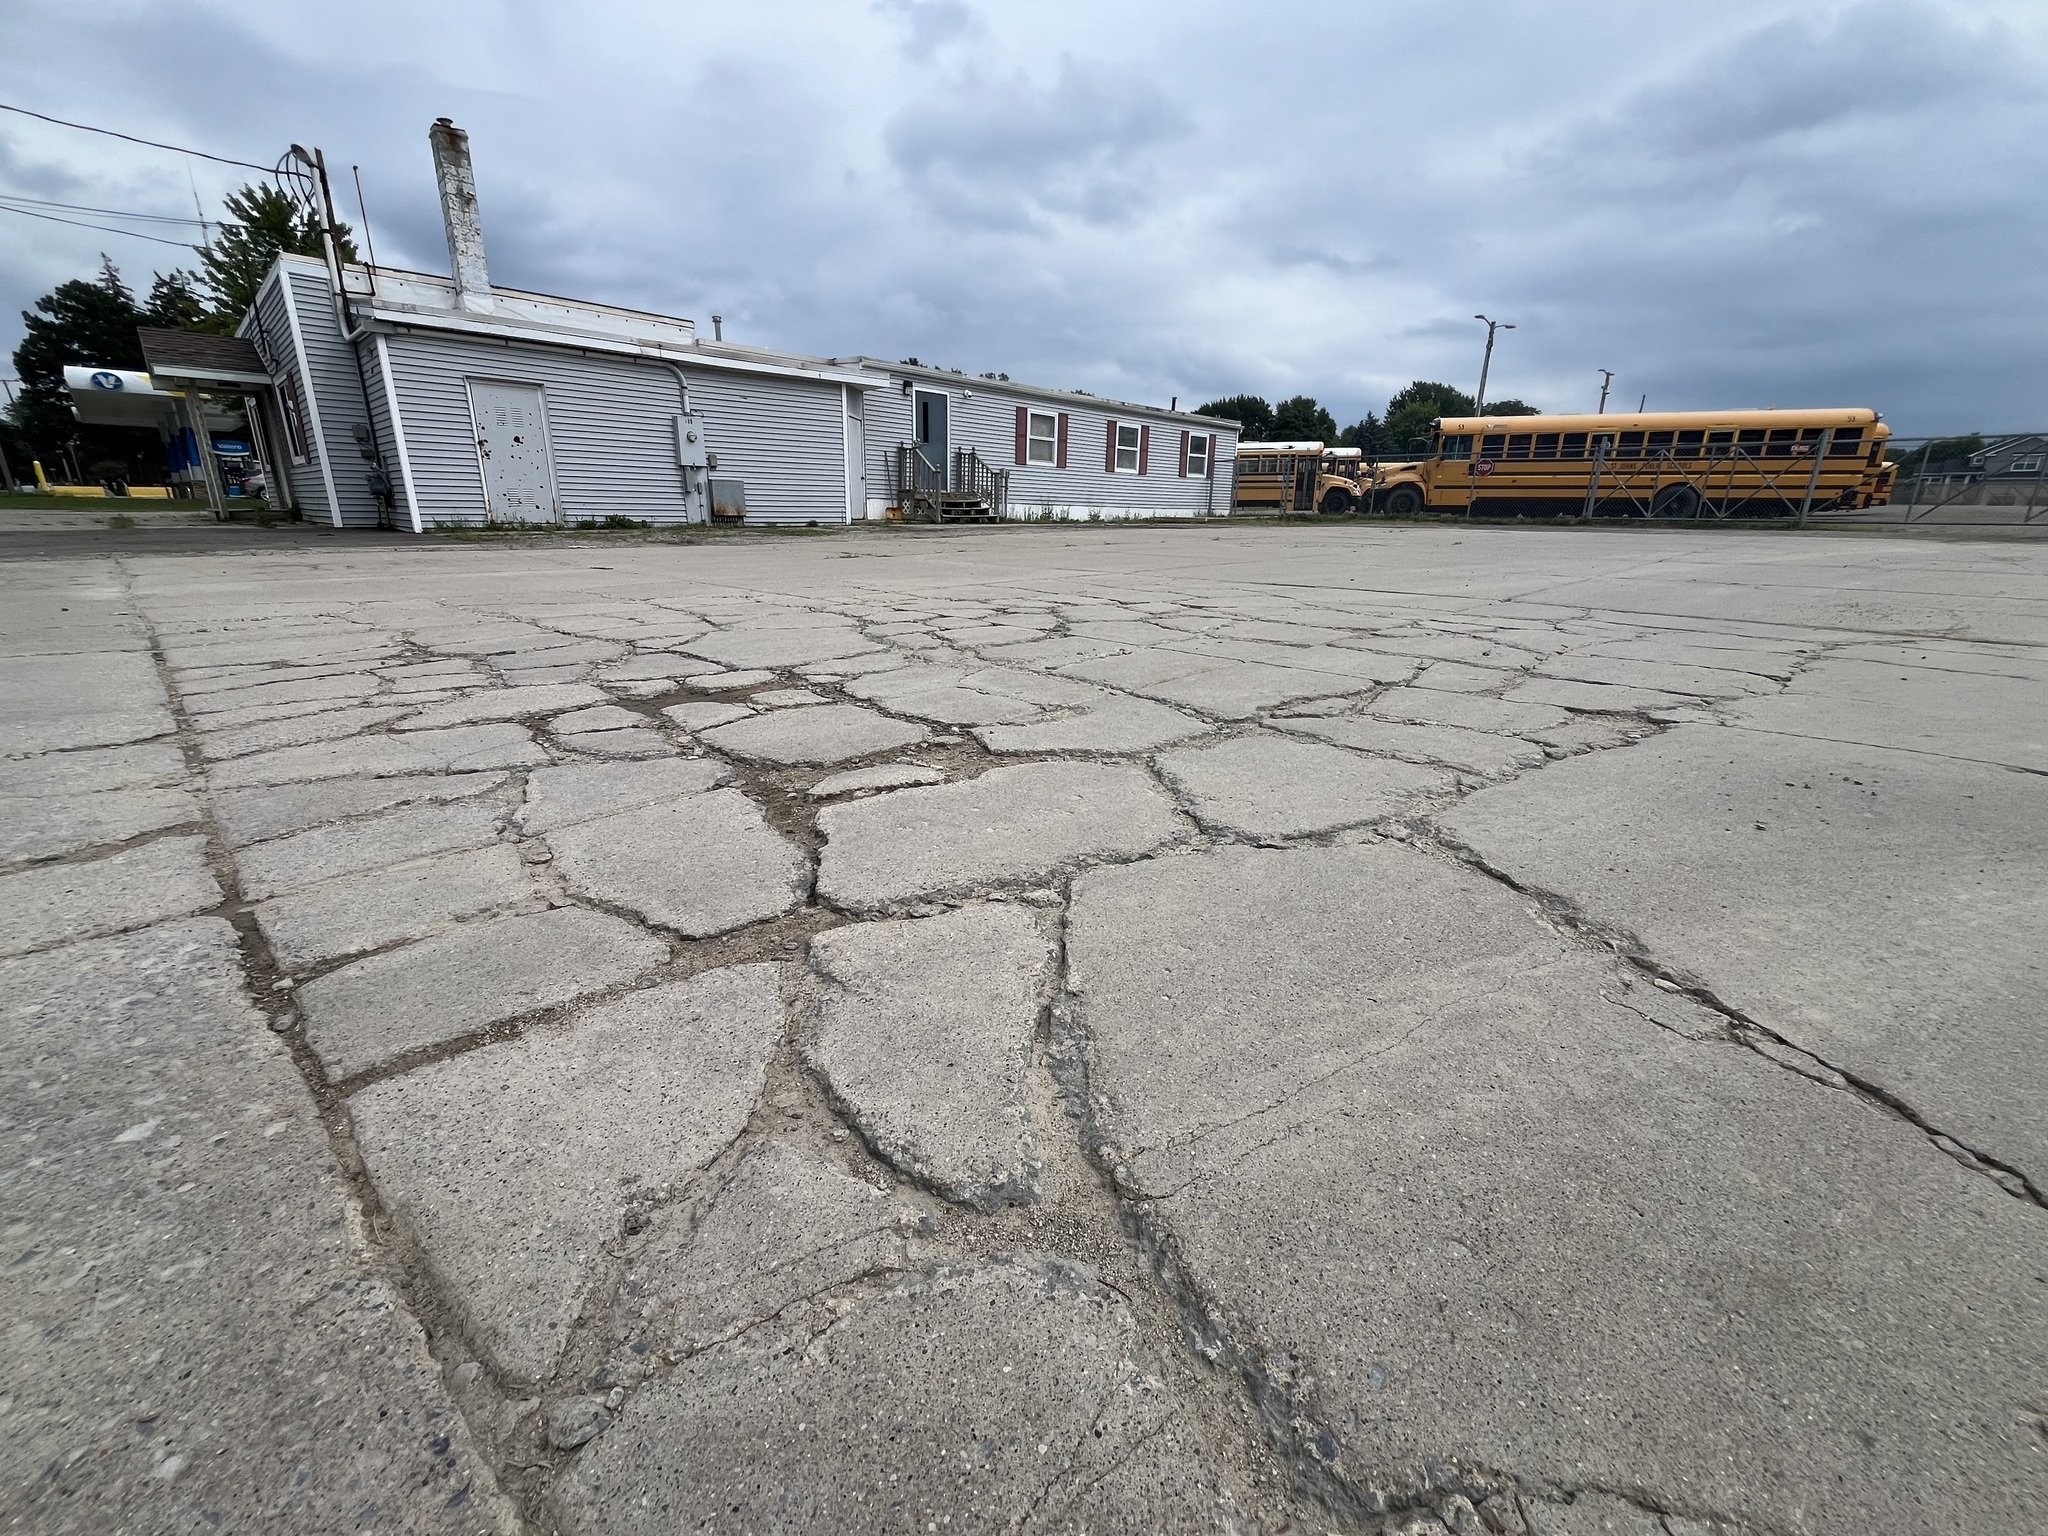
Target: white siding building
x,y
420,401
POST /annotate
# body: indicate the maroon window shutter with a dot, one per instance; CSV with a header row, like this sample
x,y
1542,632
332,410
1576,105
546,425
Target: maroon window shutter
x,y
1212,456
1109,452
1062,454
1145,449
1023,432
1184,453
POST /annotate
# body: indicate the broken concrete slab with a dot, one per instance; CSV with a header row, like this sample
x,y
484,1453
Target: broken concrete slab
x,y
1119,725
1428,706
701,864
768,648
636,743
561,797
473,976
36,827
784,698
1023,822
514,1165
195,1340
882,776
727,682
959,706
1987,709
1518,1189
461,750
62,903
359,912
1472,751
326,725
152,765
51,702
1695,681
516,703
846,1434
350,847
325,689
247,816
826,733
1268,786
786,1226
605,717
923,1034
702,716
1595,698
1879,893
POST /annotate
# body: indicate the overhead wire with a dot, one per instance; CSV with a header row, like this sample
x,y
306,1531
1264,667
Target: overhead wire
x,y
176,149
118,213
133,234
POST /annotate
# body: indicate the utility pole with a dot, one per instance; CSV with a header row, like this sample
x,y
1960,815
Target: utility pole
x,y
1606,378
1642,405
1486,365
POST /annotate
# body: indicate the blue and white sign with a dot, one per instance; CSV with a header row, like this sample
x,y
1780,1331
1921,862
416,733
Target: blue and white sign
x,y
106,378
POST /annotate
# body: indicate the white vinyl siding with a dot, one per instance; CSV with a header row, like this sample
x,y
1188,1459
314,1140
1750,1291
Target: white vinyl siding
x,y
987,423
338,405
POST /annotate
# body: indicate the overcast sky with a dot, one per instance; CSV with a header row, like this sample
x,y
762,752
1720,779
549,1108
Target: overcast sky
x,y
1729,204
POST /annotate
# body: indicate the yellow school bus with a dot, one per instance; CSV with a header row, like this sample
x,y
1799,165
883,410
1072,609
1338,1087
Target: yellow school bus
x,y
1651,464
1296,477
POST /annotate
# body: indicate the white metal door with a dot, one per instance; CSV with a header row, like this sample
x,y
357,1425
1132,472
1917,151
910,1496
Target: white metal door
x,y
512,448
856,456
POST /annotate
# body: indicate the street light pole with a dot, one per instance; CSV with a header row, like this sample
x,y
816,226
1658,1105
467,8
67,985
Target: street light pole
x,y
1486,364
1606,378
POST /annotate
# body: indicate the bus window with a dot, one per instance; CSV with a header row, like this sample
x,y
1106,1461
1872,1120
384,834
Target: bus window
x,y
1573,446
1847,440
1659,440
1717,442
1752,437
1491,445
1689,444
1781,440
1630,446
1546,445
1458,447
1518,446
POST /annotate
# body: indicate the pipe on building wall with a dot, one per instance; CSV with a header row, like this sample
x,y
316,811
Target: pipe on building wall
x,y
683,391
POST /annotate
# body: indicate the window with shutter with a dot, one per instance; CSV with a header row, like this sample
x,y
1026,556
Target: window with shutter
x,y
1042,439
1126,448
1197,454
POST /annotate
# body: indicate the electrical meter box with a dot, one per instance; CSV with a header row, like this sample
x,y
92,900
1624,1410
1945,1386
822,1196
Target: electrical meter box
x,y
690,441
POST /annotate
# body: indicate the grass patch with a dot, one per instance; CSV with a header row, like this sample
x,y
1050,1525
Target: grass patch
x,y
120,520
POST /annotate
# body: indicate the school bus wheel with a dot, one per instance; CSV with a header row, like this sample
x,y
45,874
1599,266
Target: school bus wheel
x,y
1336,500
1675,501
1404,501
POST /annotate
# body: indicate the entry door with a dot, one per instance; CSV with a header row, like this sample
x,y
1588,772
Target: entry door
x,y
512,448
930,406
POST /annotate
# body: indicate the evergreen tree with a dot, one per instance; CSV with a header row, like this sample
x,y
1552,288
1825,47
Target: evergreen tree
x,y
1302,420
265,223
77,322
176,302
1512,408
1249,411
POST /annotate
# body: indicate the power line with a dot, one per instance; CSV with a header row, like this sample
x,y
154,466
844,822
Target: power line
x,y
119,213
183,245
176,149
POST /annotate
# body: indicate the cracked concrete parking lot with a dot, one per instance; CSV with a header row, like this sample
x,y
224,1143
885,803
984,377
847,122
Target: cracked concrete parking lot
x,y
1042,1030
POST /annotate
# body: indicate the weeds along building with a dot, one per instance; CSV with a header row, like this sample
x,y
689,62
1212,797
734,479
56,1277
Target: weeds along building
x,y
423,401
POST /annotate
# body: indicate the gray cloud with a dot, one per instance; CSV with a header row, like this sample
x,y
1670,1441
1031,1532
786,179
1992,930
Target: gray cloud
x,y
1780,200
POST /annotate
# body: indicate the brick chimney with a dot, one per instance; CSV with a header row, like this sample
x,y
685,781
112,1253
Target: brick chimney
x,y
457,181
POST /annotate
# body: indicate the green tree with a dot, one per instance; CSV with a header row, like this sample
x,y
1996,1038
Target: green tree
x,y
1249,411
77,322
265,224
1302,420
1369,434
1410,413
176,302
1512,408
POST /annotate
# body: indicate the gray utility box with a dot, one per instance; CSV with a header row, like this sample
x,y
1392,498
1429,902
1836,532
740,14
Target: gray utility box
x,y
690,441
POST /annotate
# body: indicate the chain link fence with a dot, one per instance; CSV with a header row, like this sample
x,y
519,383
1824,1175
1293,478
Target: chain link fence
x,y
1972,480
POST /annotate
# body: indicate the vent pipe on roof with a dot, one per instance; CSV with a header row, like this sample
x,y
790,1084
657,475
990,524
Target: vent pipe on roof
x,y
718,327
457,181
